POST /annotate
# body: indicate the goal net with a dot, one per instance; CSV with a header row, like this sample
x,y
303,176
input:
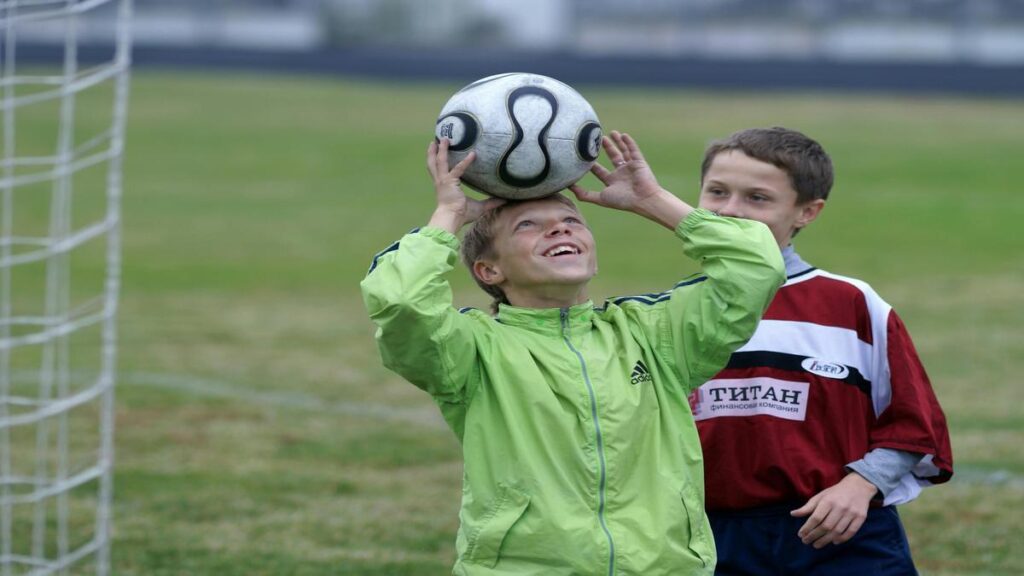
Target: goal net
x,y
64,68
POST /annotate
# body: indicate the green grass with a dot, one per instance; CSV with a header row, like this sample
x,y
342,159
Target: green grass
x,y
257,433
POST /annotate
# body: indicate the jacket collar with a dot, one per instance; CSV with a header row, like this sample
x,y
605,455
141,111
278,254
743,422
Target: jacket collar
x,y
576,319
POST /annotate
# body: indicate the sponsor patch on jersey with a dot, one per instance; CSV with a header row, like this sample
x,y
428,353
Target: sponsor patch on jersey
x,y
751,397
825,369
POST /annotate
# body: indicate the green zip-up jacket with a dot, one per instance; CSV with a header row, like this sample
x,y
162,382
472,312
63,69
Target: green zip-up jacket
x,y
580,451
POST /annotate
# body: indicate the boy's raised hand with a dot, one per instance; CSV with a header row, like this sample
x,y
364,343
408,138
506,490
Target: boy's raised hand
x,y
631,180
454,208
632,186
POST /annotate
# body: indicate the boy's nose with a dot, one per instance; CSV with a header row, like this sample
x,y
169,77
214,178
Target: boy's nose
x,y
731,208
558,228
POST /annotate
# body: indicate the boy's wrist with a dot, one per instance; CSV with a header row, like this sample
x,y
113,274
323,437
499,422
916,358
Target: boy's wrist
x,y
862,484
448,219
664,208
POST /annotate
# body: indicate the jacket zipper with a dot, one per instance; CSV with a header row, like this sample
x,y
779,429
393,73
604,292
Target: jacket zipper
x,y
600,440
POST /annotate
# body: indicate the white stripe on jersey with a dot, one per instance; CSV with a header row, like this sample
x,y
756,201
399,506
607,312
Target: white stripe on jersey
x,y
826,343
878,310
835,344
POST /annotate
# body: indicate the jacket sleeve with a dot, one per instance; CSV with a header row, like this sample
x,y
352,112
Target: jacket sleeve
x,y
707,317
419,334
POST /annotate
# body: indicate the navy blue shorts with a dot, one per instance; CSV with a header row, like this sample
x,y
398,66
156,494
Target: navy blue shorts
x,y
764,542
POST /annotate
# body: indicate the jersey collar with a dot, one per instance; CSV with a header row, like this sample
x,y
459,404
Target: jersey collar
x,y
794,263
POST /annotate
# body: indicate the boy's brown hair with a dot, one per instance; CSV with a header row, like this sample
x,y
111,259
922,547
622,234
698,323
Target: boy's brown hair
x,y
802,158
478,243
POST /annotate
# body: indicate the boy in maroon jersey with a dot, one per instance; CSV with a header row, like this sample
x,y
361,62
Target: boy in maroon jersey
x,y
825,419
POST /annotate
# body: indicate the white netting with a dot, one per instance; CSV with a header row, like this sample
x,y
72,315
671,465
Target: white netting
x,y
63,90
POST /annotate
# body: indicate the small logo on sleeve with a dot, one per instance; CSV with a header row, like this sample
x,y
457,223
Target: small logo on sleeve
x,y
640,373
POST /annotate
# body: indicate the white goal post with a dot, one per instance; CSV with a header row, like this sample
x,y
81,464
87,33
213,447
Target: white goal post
x,y
64,69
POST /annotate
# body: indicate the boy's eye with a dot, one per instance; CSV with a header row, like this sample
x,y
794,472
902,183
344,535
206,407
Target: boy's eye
x,y
758,197
573,220
524,224
716,192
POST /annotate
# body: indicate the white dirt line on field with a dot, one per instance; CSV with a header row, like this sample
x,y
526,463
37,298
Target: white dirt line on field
x,y
964,475
381,554
222,389
986,477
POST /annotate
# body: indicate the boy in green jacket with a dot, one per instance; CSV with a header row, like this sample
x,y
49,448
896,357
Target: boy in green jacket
x,y
580,451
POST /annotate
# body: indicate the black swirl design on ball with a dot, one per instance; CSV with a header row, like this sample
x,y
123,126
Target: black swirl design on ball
x,y
470,126
503,173
588,141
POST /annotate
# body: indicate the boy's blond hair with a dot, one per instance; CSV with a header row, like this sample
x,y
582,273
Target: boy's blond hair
x,y
478,243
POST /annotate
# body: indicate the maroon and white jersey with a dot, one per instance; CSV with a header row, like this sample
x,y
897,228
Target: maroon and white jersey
x,y
830,374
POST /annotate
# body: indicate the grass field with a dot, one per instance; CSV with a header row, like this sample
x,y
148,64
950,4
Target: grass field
x,y
257,433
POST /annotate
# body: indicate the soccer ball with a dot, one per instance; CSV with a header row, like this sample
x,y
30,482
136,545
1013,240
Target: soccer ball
x,y
533,135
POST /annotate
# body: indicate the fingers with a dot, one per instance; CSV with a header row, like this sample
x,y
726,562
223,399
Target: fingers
x,y
806,508
851,530
841,524
613,150
441,158
809,527
834,531
493,203
437,160
632,150
461,166
836,513
477,208
600,172
829,524
816,514
842,528
431,155
824,532
584,195
620,145
621,149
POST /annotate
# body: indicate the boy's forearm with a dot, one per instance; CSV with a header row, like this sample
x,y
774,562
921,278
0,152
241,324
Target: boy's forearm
x,y
447,219
743,268
664,208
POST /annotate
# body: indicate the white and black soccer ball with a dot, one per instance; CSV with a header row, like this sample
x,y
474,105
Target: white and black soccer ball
x,y
532,134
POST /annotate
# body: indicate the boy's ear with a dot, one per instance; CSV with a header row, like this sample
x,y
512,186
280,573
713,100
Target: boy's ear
x,y
809,211
488,272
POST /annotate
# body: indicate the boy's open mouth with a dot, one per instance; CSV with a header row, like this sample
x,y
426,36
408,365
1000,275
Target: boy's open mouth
x,y
561,250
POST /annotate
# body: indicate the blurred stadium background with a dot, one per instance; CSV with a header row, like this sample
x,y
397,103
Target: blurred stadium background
x,y
982,31
274,146
974,46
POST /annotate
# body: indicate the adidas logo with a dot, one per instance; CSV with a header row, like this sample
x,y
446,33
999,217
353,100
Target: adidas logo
x,y
640,373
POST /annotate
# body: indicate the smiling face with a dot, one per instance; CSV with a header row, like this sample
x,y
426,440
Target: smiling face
x,y
739,186
543,255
